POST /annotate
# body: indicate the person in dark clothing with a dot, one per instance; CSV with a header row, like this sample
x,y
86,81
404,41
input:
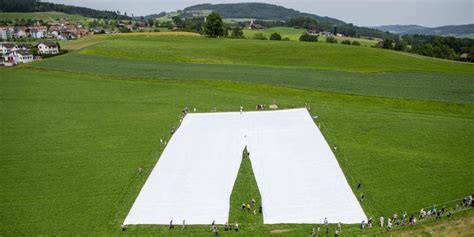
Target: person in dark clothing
x,y
171,224
124,228
359,185
260,209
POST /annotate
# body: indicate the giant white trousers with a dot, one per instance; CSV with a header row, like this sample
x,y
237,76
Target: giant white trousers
x,y
298,176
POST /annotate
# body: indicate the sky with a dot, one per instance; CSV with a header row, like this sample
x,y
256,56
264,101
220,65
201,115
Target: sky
x,y
429,13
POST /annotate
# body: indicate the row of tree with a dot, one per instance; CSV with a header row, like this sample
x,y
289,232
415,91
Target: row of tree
x,y
433,46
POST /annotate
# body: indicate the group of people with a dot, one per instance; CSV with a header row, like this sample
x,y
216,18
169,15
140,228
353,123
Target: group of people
x,y
317,230
251,206
227,227
436,213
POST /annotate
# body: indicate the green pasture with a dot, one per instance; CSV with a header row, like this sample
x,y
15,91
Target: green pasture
x,y
294,35
268,53
291,33
76,128
45,16
448,87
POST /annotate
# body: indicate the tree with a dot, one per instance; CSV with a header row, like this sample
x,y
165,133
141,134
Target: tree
x,y
331,40
348,42
356,43
151,22
387,43
214,25
177,21
400,45
237,33
275,36
309,38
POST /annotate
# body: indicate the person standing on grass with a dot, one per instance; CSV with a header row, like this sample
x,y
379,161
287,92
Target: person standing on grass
x,y
215,231
248,207
404,215
171,224
260,209
362,225
236,227
243,206
184,225
382,220
339,227
389,224
326,223
252,203
124,228
370,222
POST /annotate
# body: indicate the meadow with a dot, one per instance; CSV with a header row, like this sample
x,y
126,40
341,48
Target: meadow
x,y
294,35
76,128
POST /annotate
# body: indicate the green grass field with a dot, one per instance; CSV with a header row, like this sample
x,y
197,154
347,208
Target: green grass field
x,y
76,128
294,35
45,16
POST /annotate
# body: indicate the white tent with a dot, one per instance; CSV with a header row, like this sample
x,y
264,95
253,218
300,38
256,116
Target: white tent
x,y
297,174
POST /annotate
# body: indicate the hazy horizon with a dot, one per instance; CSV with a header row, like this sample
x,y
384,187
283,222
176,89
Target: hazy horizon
x,y
429,13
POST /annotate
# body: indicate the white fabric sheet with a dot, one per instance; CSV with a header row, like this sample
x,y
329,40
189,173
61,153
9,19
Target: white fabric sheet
x,y
297,174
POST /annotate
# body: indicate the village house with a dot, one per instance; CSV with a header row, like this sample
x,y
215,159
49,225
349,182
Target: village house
x,y
7,47
325,33
6,32
48,47
253,26
18,57
311,30
39,32
20,32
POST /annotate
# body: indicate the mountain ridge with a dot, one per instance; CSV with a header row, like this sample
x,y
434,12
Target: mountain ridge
x,y
447,30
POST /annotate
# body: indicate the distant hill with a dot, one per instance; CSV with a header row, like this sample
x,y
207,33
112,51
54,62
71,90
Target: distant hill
x,y
262,11
452,30
269,12
39,6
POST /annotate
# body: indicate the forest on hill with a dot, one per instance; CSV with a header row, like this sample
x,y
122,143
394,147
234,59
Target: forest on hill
x,y
38,6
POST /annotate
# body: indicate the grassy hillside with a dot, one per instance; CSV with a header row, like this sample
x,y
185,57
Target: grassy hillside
x,y
268,53
45,16
323,67
294,35
76,128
